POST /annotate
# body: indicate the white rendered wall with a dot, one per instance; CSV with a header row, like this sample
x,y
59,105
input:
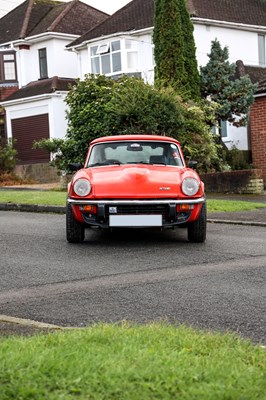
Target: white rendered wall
x,y
60,62
236,137
242,45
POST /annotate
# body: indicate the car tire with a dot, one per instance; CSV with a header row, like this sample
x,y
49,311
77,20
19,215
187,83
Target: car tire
x,y
197,229
75,231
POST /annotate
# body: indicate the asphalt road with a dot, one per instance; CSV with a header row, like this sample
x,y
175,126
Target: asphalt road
x,y
133,275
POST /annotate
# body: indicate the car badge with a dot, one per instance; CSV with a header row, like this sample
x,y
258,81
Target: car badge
x,y
113,210
165,188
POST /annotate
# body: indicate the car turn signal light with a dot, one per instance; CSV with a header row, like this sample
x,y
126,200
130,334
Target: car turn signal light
x,y
184,207
92,209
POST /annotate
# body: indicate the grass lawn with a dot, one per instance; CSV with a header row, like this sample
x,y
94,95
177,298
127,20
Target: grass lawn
x,y
156,361
59,198
232,205
47,197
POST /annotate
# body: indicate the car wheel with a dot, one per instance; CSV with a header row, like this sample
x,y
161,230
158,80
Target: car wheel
x,y
197,229
75,231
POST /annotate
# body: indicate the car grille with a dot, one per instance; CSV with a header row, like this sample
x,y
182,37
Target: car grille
x,y
140,209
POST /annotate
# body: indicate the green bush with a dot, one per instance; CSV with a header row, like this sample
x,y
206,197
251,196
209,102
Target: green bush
x,y
7,157
237,159
100,106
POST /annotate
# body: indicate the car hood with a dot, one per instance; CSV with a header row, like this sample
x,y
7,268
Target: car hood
x,y
131,181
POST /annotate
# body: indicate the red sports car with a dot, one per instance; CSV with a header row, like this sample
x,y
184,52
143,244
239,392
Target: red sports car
x,y
135,181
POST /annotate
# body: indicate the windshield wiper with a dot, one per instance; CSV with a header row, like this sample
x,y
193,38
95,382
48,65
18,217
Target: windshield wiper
x,y
100,164
138,162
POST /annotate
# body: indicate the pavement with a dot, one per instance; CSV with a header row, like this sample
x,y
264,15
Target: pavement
x,y
17,326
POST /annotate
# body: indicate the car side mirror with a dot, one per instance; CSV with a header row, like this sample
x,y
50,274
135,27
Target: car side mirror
x,y
192,164
75,166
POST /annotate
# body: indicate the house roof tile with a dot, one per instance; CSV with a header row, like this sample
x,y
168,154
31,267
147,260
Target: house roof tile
x,y
249,12
257,75
34,17
138,14
261,87
43,86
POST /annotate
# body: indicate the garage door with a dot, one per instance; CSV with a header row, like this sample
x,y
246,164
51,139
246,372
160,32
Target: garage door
x,y
26,131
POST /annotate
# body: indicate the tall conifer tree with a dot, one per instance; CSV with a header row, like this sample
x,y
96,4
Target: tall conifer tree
x,y
175,59
191,65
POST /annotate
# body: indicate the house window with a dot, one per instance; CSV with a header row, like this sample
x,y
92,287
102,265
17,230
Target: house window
x,y
224,129
132,54
261,46
106,58
43,63
223,126
8,67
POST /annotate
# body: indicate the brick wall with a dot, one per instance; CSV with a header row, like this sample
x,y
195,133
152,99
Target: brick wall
x,y
258,134
244,181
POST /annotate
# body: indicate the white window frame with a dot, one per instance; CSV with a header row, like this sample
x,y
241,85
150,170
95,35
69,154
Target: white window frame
x,y
131,50
7,60
224,129
103,50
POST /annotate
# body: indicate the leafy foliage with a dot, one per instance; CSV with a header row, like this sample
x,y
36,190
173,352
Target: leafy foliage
x,y
233,96
100,106
7,157
237,159
174,52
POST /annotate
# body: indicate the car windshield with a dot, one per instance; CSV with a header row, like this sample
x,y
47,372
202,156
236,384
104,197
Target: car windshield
x,y
139,152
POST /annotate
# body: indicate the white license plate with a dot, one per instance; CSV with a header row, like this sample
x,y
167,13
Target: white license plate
x,y
135,220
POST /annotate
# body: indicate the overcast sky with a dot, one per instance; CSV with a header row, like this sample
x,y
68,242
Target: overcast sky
x,y
108,6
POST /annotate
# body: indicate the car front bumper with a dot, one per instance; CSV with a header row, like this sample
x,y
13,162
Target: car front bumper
x,y
132,213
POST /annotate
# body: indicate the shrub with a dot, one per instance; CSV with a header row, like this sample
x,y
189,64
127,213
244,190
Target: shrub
x,y
237,159
100,106
7,157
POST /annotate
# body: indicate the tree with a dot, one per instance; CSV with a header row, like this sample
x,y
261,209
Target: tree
x,y
233,96
191,65
174,51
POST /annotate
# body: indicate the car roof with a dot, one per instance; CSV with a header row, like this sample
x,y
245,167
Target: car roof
x,y
138,137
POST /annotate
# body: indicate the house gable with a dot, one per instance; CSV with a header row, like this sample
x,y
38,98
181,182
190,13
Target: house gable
x,y
34,17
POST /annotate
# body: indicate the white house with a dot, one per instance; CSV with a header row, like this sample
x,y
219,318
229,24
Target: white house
x,y
36,71
122,43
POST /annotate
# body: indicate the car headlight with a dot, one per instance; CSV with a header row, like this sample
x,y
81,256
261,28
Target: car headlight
x,y
190,186
82,187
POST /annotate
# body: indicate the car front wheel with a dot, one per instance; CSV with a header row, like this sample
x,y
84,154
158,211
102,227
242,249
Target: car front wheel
x,y
197,229
75,231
